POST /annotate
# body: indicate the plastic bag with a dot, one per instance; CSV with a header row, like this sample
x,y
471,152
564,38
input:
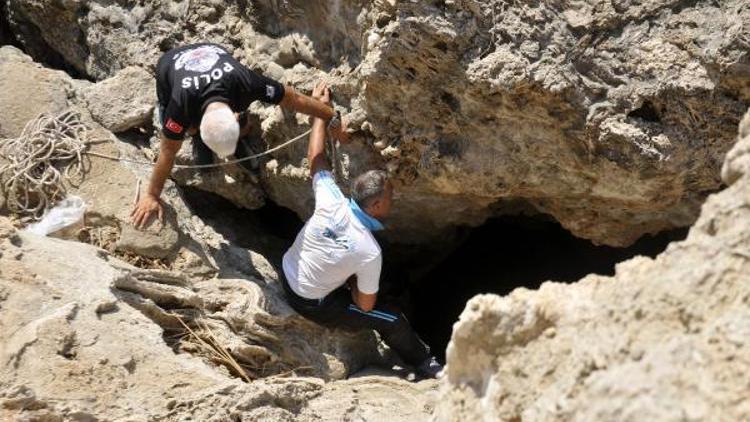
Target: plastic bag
x,y
67,212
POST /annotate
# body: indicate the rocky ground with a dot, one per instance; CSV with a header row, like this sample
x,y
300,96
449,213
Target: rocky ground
x,y
613,120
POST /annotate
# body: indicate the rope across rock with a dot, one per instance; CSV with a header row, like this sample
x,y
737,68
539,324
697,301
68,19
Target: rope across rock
x,y
49,152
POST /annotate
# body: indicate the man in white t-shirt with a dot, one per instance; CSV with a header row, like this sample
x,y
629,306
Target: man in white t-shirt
x,y
332,271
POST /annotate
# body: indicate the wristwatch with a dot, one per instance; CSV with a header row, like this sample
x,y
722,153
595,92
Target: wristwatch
x,y
335,122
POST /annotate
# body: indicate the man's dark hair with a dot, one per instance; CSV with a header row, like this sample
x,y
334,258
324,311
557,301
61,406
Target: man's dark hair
x,y
368,187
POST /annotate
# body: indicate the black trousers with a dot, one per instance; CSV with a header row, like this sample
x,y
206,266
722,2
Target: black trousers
x,y
338,310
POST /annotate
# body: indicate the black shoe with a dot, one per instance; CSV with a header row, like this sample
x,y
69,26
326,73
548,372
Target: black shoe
x,y
430,368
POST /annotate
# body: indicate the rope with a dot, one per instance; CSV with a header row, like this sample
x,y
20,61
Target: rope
x,y
205,166
49,152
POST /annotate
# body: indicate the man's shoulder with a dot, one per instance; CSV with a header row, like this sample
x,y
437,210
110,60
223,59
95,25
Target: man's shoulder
x,y
369,247
323,180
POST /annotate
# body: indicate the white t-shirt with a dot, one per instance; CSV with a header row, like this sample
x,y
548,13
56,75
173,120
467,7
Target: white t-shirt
x,y
332,246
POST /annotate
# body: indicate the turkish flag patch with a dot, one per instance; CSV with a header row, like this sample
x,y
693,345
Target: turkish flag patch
x,y
173,126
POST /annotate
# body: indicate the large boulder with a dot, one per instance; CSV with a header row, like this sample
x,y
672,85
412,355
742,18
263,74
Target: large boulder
x,y
661,340
611,119
28,89
124,101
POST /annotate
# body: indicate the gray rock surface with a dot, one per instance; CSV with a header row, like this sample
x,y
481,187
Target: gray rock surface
x,y
124,101
664,339
156,240
613,119
27,89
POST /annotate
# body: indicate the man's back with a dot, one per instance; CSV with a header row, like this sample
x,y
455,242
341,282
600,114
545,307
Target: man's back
x,y
190,77
331,247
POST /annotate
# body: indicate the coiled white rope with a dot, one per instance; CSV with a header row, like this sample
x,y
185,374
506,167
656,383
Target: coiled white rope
x,y
47,153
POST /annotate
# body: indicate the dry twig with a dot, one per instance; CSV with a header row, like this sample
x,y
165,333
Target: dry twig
x,y
215,349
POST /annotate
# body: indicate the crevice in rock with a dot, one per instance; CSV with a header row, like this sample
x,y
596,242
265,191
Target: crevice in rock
x,y
503,254
267,231
506,253
14,34
647,112
6,35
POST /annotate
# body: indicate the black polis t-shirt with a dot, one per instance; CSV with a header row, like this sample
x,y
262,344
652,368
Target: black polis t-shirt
x,y
191,77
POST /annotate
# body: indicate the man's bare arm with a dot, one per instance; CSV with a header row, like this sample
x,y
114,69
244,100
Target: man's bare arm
x,y
364,301
301,103
150,203
313,106
316,154
316,148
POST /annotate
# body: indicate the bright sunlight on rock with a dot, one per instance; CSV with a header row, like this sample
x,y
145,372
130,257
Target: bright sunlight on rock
x,y
560,217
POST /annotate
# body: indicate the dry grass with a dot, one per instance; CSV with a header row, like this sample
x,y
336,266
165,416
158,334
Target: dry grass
x,y
105,237
207,344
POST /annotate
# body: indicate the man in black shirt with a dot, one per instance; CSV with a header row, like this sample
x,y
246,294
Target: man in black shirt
x,y
203,89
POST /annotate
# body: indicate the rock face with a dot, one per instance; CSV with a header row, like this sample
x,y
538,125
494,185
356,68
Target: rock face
x,y
28,89
124,101
613,119
660,340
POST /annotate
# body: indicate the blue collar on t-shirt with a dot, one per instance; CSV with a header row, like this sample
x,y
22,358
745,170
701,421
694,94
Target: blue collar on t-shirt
x,y
369,222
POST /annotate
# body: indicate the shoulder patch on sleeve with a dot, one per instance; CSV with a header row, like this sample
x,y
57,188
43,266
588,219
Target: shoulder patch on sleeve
x,y
173,126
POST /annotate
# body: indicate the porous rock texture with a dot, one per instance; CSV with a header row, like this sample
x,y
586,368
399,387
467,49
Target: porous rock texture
x,y
611,117
664,339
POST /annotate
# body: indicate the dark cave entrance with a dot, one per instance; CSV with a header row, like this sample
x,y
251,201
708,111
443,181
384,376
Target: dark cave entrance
x,y
497,257
506,253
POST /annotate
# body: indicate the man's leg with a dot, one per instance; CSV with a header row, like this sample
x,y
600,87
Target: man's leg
x,y
338,309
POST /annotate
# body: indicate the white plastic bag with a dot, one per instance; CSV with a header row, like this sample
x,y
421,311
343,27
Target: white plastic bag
x,y
66,213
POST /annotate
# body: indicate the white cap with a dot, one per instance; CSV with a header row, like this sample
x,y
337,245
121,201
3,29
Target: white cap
x,y
220,130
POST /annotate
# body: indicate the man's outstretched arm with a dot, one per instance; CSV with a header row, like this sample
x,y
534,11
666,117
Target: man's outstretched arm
x,y
150,202
315,107
316,148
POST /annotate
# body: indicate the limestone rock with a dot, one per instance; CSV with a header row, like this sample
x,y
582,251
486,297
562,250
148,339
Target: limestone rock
x,y
156,240
27,89
62,317
654,342
124,101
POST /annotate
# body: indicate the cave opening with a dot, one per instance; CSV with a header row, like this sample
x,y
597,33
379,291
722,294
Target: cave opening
x,y
269,230
506,253
497,257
